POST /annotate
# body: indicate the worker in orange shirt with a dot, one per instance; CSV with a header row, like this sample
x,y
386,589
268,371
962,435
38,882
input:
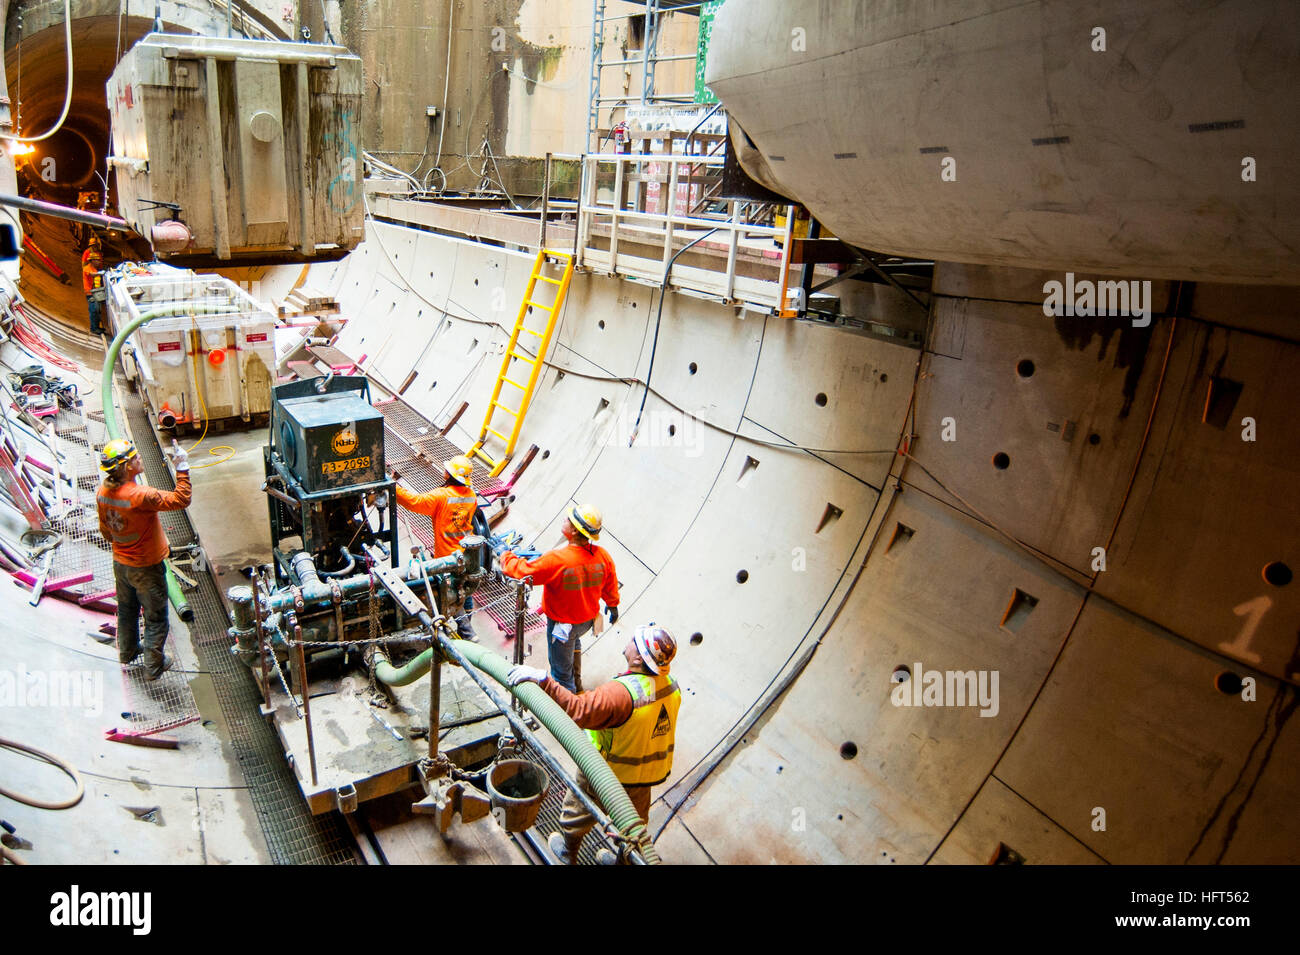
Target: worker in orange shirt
x,y
574,578
450,510
128,519
92,282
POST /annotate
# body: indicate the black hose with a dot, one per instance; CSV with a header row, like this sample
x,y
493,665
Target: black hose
x,y
654,345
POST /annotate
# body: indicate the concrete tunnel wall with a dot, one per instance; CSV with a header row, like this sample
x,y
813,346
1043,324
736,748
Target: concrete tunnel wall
x,y
1107,699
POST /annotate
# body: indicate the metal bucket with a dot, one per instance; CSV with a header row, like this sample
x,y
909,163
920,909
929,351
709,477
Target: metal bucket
x,y
517,788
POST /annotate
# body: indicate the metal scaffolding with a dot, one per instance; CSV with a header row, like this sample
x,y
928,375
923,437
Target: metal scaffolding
x,y
602,109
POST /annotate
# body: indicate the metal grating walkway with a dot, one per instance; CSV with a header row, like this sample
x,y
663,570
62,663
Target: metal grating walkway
x,y
293,835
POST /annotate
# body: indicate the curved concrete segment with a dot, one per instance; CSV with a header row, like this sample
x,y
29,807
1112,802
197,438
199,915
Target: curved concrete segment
x,y
1047,134
1070,714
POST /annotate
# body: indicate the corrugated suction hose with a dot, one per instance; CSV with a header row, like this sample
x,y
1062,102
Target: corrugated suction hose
x,y
609,791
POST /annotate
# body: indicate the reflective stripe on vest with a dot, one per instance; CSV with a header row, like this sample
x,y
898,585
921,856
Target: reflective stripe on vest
x,y
640,752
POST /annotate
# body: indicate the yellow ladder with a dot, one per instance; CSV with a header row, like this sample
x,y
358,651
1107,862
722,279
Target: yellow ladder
x,y
513,354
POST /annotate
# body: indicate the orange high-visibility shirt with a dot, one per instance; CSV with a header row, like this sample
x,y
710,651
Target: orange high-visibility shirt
x,y
451,511
90,277
128,519
574,579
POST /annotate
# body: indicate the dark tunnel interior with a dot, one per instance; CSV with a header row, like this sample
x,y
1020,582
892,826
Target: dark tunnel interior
x,y
71,163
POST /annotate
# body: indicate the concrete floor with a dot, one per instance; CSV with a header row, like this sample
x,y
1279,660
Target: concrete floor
x,y
142,805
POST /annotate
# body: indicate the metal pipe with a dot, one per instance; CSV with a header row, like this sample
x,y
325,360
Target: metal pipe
x,y
63,212
520,607
344,571
261,642
359,583
301,656
435,705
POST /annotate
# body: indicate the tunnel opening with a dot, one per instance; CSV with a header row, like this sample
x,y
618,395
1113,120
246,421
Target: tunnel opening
x,y
70,167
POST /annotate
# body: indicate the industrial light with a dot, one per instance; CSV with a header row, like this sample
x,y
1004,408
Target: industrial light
x,y
20,149
217,357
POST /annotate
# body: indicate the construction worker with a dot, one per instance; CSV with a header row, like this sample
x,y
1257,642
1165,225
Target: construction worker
x,y
574,579
450,510
632,720
92,282
128,519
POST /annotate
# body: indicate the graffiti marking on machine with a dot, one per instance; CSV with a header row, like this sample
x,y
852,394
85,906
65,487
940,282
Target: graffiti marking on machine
x,y
345,442
351,464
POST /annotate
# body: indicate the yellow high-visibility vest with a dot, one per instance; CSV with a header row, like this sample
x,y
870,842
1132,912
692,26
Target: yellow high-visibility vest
x,y
640,752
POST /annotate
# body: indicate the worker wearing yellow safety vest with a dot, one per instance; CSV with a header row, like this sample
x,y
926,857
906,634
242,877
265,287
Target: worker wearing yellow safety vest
x,y
632,720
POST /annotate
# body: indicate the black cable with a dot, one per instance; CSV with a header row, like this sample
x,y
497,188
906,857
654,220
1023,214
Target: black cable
x,y
663,288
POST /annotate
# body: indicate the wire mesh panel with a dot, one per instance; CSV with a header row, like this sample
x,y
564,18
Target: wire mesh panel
x,y
152,707
415,448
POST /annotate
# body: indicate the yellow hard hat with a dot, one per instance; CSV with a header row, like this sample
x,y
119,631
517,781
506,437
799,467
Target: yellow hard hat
x,y
460,468
116,453
586,520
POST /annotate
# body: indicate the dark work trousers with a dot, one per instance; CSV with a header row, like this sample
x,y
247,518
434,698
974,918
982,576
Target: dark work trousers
x,y
141,589
95,306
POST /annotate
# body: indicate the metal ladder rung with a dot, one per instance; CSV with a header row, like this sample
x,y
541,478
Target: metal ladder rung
x,y
530,331
551,280
515,354
510,381
545,308
511,411
498,434
480,453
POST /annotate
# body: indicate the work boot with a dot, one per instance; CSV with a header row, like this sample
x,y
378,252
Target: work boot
x,y
560,849
605,857
127,655
155,664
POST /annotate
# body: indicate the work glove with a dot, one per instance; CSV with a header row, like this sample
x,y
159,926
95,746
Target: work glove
x,y
180,459
612,613
525,674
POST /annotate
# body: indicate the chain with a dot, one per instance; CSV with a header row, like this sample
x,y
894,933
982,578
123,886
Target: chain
x,y
284,683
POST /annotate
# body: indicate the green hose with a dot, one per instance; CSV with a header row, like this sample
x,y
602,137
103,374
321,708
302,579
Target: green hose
x,y
174,594
417,667
609,791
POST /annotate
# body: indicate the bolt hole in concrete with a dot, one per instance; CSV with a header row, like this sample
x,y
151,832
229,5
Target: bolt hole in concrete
x,y
849,750
1001,461
1229,684
601,323
672,430
697,639
693,368
820,399
1277,573
476,281
901,674
545,455
1025,368
1094,439
742,576
883,378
